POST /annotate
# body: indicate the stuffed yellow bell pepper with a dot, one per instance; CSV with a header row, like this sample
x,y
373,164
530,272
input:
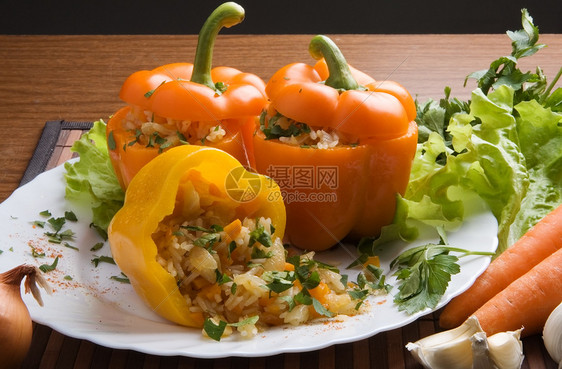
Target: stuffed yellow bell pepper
x,y
192,218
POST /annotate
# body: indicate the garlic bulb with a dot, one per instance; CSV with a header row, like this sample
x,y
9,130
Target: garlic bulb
x,y
506,349
468,347
448,349
15,322
552,335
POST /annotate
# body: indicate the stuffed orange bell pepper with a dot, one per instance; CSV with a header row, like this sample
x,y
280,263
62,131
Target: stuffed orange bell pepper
x,y
185,103
192,220
339,144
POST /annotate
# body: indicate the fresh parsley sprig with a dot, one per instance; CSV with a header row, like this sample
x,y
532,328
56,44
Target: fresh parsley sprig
x,y
424,273
504,71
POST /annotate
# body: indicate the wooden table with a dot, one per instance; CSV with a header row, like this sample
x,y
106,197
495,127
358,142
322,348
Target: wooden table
x,y
77,78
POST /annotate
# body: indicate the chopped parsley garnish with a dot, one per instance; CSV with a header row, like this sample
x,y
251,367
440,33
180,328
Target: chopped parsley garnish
x,y
48,268
111,144
220,88
273,129
231,247
36,254
215,331
57,224
102,259
260,235
279,281
371,279
122,278
222,278
149,93
66,244
182,138
207,240
321,309
258,253
39,223
97,246
211,236
70,216
102,232
213,229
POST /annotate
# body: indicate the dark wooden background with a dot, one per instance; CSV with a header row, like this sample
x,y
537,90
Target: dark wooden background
x,y
276,16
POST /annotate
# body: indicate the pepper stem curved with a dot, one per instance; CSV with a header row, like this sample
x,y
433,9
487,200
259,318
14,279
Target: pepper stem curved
x,y
226,15
340,75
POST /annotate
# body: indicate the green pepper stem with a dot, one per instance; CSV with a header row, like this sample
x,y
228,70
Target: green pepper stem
x,y
340,75
226,15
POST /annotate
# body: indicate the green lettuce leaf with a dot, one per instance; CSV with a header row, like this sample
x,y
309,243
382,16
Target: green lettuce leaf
x,y
504,145
511,157
91,179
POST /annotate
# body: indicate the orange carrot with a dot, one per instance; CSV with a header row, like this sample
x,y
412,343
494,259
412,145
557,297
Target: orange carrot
x,y
538,243
527,302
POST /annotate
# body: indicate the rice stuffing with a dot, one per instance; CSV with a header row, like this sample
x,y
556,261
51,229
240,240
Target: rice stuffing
x,y
291,132
241,277
150,130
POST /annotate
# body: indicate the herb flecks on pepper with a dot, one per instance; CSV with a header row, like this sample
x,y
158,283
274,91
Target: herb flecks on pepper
x,y
183,103
340,175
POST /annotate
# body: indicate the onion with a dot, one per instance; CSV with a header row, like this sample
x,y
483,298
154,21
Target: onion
x,y
15,322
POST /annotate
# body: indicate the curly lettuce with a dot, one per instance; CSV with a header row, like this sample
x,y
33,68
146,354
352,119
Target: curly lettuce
x,y
504,145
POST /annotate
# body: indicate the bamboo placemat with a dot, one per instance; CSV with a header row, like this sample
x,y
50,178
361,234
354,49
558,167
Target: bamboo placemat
x,y
51,349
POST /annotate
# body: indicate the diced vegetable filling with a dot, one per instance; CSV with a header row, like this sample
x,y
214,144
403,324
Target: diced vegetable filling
x,y
241,274
151,130
291,132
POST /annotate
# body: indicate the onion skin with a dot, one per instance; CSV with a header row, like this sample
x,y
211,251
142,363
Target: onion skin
x,y
16,327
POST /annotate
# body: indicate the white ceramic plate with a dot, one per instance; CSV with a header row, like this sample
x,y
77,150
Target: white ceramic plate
x,y
94,307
